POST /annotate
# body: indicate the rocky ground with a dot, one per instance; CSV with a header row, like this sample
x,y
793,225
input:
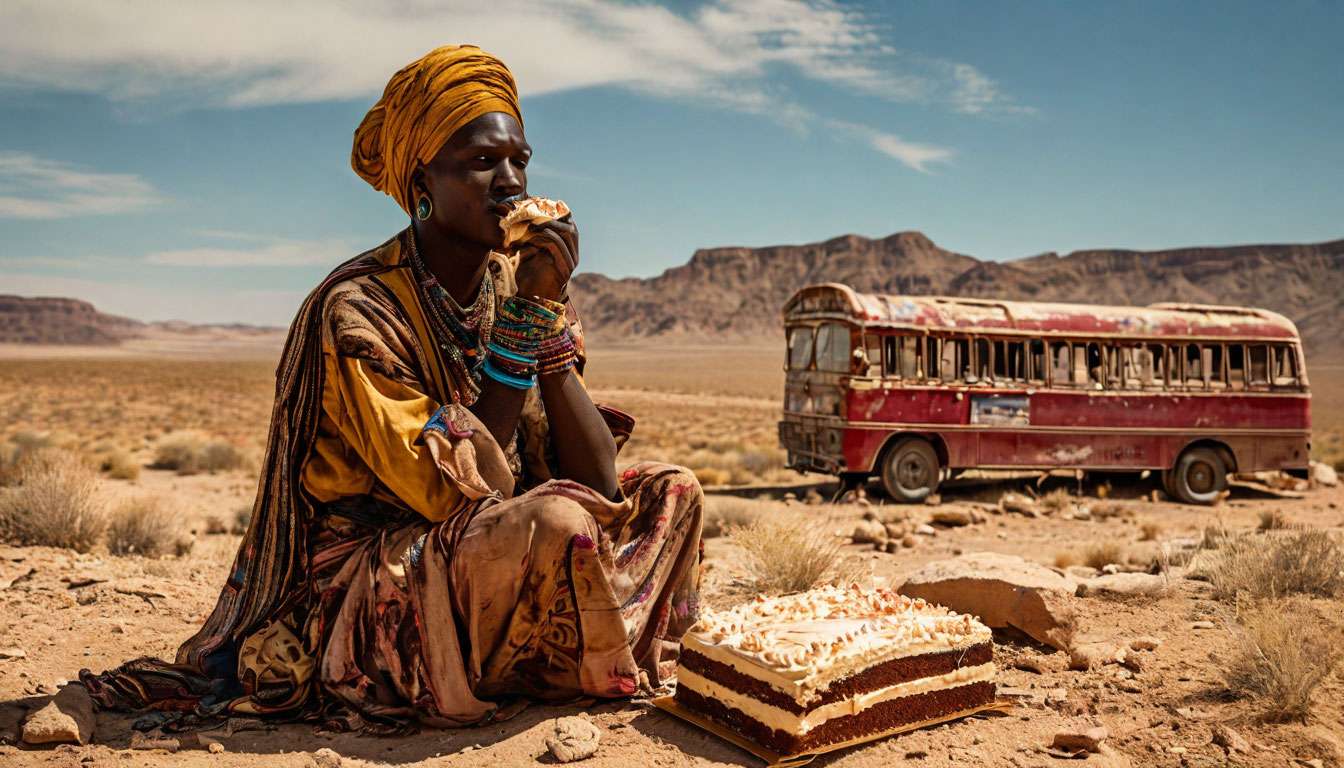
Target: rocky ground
x,y
1154,682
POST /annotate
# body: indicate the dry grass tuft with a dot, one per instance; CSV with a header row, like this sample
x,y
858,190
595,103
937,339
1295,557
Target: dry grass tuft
x,y
53,502
189,452
723,513
1284,652
141,526
1149,531
1302,561
1273,520
241,519
214,526
1066,558
787,556
1104,553
119,465
1057,501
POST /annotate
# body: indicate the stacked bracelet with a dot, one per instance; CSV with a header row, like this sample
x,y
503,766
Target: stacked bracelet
x,y
529,337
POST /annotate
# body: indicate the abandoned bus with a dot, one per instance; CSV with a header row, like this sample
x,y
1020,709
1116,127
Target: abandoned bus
x,y
912,388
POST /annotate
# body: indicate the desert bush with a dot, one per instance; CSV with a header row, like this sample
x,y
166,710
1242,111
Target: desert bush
x,y
141,526
1149,531
1066,558
1303,561
1057,501
723,513
786,556
1284,652
53,502
241,519
1272,520
1104,553
15,449
214,525
119,465
188,452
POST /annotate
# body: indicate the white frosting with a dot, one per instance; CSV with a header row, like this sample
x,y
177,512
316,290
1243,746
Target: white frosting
x,y
799,644
794,723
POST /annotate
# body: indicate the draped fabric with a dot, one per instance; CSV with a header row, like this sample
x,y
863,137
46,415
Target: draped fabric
x,y
424,104
390,574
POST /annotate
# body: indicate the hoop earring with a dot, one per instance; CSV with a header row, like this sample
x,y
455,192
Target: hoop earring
x,y
423,207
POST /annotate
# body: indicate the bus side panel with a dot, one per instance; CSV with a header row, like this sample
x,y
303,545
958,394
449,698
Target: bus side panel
x,y
1169,411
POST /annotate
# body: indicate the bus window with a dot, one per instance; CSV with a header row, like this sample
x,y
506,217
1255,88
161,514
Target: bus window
x,y
982,370
1015,369
874,344
1236,366
1095,366
910,357
1080,364
956,362
932,359
890,355
1036,359
1194,367
1213,366
800,348
1114,362
1131,368
1259,365
1285,367
1061,357
833,348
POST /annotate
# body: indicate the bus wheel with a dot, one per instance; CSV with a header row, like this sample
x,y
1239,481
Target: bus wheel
x,y
1199,476
910,470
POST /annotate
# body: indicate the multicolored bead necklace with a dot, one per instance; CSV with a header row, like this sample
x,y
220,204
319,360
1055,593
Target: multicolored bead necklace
x,y
463,333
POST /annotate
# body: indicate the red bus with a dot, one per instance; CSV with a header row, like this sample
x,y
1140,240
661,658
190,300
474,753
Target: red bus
x,y
914,388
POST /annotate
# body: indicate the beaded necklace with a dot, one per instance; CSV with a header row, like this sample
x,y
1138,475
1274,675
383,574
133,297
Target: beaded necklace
x,y
461,332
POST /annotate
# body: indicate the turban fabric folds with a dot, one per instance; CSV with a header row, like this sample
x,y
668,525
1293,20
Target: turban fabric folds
x,y
423,105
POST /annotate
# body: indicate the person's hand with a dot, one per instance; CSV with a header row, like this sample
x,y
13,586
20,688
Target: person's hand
x,y
547,256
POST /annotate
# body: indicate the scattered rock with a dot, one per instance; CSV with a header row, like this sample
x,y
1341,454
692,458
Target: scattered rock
x,y
1323,475
215,748
1094,655
952,518
1230,740
891,547
933,500
1004,591
1314,762
1082,572
66,719
17,577
924,529
12,652
1080,739
908,541
1018,504
82,580
869,532
895,530
575,738
1203,625
1144,643
327,757
1122,585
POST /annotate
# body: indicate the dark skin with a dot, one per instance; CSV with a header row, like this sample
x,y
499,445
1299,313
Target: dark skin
x,y
470,183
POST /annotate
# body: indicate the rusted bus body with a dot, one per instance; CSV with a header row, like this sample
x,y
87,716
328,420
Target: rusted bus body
x,y
1008,385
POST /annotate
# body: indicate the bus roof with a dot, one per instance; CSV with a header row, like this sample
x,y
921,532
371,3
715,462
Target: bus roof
x,y
1051,319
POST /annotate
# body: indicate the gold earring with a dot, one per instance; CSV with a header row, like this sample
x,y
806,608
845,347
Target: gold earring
x,y
423,207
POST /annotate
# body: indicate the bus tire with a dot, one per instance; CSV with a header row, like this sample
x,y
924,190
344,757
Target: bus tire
x,y
910,470
1199,476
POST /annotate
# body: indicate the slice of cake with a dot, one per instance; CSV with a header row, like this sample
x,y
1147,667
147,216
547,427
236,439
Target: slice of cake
x,y
802,671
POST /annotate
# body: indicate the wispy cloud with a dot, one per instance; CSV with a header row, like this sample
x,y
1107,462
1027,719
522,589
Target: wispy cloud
x,y
913,155
261,252
33,187
243,53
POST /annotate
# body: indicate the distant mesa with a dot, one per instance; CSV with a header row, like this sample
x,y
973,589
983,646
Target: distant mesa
x,y
737,293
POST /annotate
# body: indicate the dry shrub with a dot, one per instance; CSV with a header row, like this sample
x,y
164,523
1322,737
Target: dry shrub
x,y
1273,520
1104,553
1149,531
1057,501
188,452
786,556
1303,561
214,526
1066,558
1284,651
14,450
723,513
53,503
242,518
119,465
141,526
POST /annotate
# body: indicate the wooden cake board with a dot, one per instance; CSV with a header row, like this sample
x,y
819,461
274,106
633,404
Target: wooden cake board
x,y
776,760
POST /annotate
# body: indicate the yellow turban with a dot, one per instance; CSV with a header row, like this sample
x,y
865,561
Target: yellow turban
x,y
423,105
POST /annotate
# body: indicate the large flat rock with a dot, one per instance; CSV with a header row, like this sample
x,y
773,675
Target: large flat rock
x,y
66,719
1004,591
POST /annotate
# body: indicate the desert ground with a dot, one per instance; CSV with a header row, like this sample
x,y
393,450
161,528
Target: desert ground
x,y
201,418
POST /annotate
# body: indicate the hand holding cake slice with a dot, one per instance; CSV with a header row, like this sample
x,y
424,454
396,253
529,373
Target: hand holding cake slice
x,y
834,664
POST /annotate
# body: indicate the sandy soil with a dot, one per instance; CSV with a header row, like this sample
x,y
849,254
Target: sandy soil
x,y
65,611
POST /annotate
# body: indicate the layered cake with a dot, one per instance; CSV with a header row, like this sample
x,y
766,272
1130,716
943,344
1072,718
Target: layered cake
x,y
834,664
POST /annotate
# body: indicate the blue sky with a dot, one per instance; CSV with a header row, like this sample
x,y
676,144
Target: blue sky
x,y
191,161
